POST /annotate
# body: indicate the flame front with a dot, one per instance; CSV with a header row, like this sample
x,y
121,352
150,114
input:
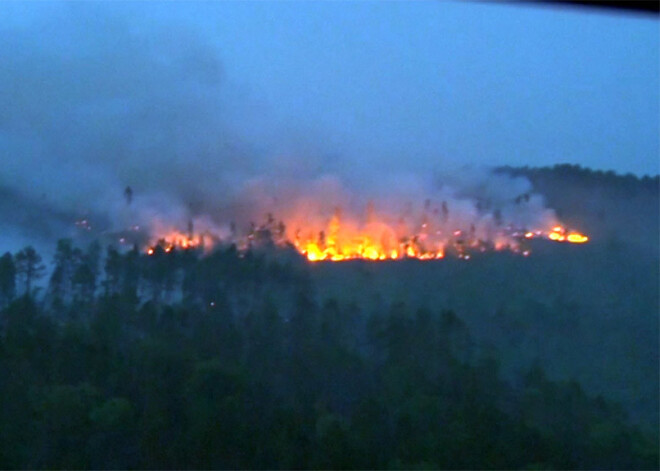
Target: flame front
x,y
376,237
559,234
384,243
375,241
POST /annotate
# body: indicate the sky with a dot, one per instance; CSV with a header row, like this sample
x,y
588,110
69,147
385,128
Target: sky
x,y
453,82
456,82
196,101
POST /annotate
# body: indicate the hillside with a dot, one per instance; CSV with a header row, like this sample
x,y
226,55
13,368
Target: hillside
x,y
588,312
260,359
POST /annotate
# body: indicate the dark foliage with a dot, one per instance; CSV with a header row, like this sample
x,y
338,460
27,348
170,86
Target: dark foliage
x,y
231,361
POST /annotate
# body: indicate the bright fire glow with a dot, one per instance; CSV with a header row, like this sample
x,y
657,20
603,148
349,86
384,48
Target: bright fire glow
x,y
173,239
577,238
559,234
377,240
340,246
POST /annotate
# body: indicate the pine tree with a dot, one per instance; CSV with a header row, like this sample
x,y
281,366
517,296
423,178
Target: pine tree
x,y
7,278
29,267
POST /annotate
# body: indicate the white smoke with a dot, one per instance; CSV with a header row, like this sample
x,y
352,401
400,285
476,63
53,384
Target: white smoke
x,y
110,100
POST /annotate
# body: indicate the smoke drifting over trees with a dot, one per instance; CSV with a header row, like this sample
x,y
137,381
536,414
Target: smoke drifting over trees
x,y
110,102
115,130
259,359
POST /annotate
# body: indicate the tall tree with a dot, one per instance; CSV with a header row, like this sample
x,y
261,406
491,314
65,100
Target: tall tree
x,y
65,260
131,268
86,271
84,283
29,267
113,271
7,278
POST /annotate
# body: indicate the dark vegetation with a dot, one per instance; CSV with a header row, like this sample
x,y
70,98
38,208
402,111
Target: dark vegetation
x,y
614,209
259,360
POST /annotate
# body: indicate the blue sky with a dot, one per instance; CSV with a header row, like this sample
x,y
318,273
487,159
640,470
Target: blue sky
x,y
403,85
451,82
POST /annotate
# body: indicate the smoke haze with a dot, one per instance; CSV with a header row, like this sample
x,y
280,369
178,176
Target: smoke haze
x,y
98,97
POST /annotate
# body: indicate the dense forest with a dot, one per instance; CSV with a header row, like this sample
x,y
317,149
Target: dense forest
x,y
119,359
615,209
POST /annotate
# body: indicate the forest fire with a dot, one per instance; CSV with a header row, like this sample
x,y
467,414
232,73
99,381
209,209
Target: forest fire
x,y
422,245
178,240
431,236
559,234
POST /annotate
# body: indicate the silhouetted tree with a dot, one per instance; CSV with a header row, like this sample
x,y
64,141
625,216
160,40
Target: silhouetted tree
x,y
113,271
7,279
131,274
254,369
65,261
83,283
29,267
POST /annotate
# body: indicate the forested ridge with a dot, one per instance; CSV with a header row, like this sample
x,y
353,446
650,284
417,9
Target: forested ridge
x,y
614,208
258,359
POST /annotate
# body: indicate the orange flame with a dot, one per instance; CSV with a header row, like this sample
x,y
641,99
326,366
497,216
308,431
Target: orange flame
x,y
376,239
577,238
559,234
178,240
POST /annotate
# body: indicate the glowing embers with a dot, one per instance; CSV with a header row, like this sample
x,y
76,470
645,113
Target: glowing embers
x,y
367,244
178,240
84,224
577,238
361,250
422,246
559,234
376,237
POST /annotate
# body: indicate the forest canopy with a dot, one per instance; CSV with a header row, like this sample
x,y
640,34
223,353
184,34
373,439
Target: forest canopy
x,y
257,359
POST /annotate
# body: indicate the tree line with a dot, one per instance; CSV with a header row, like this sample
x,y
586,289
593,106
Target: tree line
x,y
230,360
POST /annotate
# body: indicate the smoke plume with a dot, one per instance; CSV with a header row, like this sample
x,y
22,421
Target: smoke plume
x,y
98,102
